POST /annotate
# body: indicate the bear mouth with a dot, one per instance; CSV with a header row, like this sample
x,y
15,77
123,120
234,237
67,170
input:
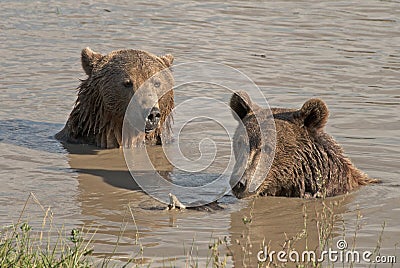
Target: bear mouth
x,y
147,130
152,120
150,126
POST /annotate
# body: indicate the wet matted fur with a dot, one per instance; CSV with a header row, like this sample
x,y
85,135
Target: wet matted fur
x,y
307,162
103,97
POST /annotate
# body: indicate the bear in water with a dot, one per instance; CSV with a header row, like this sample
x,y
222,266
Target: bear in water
x,y
98,115
304,160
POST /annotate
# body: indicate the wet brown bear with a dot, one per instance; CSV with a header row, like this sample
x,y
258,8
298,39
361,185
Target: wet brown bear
x,y
98,114
307,161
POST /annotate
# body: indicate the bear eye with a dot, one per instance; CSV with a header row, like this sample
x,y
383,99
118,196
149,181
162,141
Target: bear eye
x,y
128,83
157,84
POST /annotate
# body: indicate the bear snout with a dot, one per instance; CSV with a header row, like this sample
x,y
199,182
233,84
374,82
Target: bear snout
x,y
152,119
240,190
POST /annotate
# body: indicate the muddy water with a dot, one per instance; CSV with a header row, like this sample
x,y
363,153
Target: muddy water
x,y
347,53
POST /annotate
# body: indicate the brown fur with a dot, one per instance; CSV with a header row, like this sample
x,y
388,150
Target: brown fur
x,y
103,97
307,161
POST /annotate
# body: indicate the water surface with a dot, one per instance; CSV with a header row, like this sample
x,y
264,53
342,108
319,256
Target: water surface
x,y
346,52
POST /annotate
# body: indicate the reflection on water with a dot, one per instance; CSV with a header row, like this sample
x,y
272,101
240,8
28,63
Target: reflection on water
x,y
347,53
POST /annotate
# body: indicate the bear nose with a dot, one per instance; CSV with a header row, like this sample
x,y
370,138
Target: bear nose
x,y
154,115
240,190
153,119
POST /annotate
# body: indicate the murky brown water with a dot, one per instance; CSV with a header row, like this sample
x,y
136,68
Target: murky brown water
x,y
347,53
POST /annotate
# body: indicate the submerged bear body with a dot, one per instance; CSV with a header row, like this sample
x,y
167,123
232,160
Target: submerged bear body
x,y
306,161
98,115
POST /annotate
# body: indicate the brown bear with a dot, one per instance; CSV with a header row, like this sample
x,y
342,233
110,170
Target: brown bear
x,y
98,115
307,161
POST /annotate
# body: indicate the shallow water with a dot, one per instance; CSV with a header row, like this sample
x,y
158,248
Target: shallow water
x,y
346,52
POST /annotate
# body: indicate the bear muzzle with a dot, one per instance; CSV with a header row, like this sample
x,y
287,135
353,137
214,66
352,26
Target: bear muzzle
x,y
152,120
240,190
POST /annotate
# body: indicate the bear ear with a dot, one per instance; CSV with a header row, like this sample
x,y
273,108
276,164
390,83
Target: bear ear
x,y
168,59
241,104
314,114
89,59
